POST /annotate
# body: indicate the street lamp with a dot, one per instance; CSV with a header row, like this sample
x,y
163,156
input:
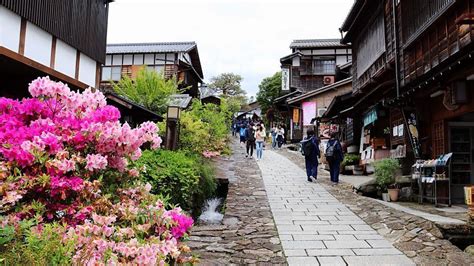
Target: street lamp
x,y
172,127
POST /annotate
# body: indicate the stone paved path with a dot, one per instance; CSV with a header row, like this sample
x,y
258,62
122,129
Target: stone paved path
x,y
314,227
248,235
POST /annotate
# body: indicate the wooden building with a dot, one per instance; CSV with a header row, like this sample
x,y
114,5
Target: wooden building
x,y
65,40
312,63
312,66
180,59
413,72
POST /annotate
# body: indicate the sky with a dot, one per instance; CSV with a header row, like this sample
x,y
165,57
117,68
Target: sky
x,y
246,37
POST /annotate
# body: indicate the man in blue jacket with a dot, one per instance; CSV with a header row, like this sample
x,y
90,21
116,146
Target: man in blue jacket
x,y
334,156
311,154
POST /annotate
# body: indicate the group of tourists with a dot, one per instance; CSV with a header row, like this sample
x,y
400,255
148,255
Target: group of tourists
x,y
252,135
333,154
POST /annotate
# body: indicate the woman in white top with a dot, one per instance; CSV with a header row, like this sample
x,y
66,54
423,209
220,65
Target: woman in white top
x,y
280,136
260,138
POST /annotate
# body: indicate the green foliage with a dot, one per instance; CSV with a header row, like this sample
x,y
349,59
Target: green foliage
x,y
149,89
269,90
184,179
351,159
204,127
48,247
228,86
385,172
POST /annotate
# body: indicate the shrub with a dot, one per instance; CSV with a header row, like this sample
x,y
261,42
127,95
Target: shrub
x,y
351,159
185,179
204,128
66,158
149,89
385,172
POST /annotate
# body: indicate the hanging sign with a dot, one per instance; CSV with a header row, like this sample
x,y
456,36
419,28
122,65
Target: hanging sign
x,y
413,134
296,116
285,79
370,117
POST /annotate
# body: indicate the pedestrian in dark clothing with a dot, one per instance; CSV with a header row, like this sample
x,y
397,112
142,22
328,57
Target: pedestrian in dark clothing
x,y
334,156
250,138
311,152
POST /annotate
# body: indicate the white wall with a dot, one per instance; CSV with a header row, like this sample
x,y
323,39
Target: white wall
x,y
340,60
65,61
38,44
9,29
87,70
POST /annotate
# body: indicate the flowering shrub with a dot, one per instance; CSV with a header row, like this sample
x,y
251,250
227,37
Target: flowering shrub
x,y
181,177
65,157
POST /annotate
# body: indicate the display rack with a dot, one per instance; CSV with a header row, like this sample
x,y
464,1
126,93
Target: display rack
x,y
433,173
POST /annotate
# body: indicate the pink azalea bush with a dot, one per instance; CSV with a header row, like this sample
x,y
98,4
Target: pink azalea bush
x,y
64,156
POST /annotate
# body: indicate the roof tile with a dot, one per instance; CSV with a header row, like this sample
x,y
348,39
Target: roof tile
x,y
161,47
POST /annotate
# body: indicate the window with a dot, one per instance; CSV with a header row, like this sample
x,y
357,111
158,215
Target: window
x,y
324,66
106,73
116,73
111,73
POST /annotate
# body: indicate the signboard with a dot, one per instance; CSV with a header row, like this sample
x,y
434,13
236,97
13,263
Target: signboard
x,y
309,112
285,79
370,117
296,116
412,127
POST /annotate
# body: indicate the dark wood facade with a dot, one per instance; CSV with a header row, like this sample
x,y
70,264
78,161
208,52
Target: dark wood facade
x,y
426,68
80,23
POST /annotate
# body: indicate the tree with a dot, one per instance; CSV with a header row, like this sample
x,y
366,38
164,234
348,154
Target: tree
x,y
269,90
150,89
227,85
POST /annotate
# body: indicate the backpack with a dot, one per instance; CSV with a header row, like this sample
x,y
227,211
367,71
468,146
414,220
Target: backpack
x,y
307,147
242,132
250,134
330,151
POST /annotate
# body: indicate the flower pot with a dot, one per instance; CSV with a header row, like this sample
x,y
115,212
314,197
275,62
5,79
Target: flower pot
x,y
385,197
393,192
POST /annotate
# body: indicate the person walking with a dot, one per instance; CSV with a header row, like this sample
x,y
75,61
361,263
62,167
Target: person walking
x,y
280,136
242,133
273,133
250,140
260,139
334,156
310,147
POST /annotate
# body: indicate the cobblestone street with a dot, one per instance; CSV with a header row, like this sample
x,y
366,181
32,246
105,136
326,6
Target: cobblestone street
x,y
315,227
248,234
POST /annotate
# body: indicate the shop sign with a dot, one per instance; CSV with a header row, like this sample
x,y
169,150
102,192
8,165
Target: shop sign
x,y
285,79
412,127
296,116
325,130
309,112
370,117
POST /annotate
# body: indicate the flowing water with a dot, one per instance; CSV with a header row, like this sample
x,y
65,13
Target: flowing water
x,y
211,214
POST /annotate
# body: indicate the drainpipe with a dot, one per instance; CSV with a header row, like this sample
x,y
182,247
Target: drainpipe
x,y
395,35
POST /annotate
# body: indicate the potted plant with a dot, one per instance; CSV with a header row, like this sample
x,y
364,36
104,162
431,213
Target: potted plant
x,y
385,170
350,160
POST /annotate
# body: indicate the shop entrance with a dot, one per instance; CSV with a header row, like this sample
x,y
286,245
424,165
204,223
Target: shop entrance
x,y
461,144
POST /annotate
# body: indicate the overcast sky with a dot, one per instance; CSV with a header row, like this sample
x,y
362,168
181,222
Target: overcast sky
x,y
247,37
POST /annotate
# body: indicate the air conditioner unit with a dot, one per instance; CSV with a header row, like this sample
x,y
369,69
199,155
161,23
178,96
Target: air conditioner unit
x,y
321,112
328,80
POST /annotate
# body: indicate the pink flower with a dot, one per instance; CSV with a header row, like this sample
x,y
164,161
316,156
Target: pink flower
x,y
96,162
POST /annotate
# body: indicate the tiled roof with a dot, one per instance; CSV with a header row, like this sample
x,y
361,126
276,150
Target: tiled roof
x,y
159,47
317,43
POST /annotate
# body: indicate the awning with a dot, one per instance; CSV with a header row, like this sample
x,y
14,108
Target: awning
x,y
340,106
